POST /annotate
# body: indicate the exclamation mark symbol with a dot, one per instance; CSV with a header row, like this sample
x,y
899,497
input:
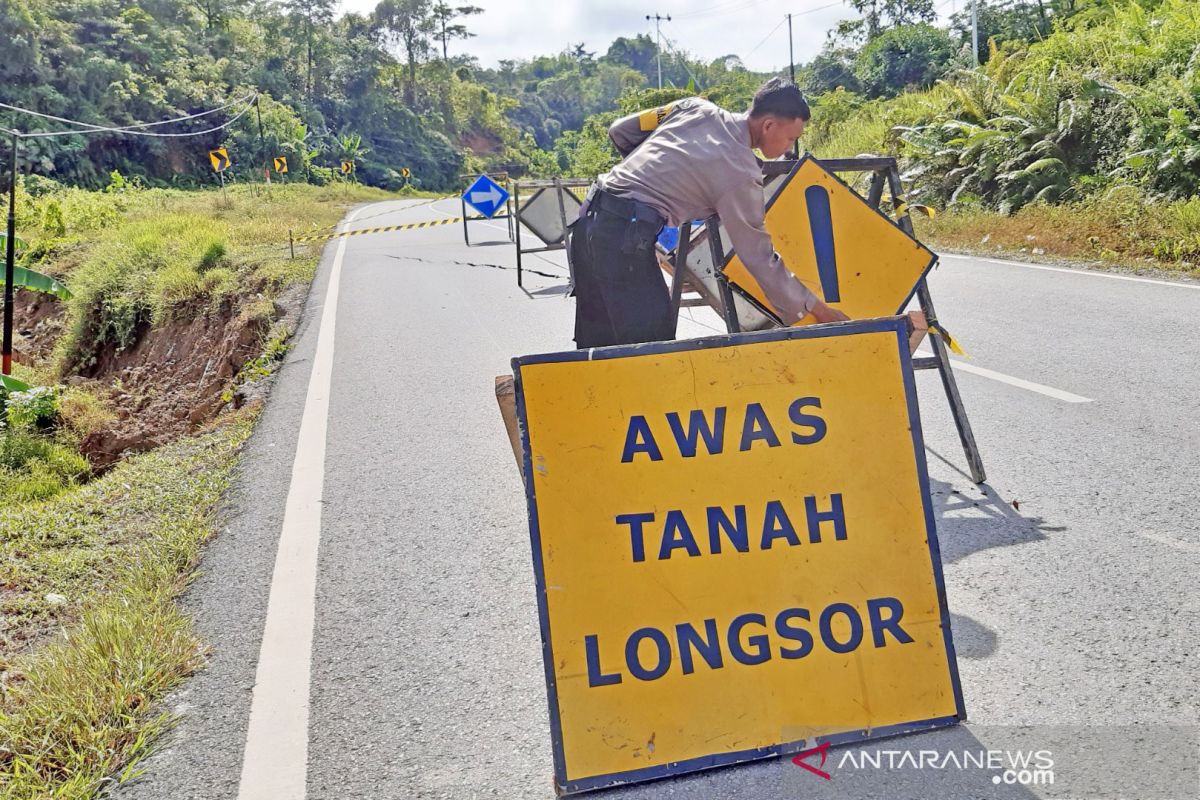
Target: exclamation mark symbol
x,y
820,223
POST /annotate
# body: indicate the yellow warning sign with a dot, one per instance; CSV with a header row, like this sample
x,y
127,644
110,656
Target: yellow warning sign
x,y
281,164
734,549
405,172
347,167
220,159
852,256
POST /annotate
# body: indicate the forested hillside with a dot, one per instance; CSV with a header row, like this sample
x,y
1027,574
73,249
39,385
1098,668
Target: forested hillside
x,y
382,90
1071,97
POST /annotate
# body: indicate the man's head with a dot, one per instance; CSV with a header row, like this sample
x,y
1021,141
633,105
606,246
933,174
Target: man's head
x,y
777,117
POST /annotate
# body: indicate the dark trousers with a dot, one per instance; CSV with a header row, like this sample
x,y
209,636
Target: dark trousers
x,y
620,295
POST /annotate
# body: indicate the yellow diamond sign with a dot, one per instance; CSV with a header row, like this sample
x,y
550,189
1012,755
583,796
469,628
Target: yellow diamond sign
x,y
851,255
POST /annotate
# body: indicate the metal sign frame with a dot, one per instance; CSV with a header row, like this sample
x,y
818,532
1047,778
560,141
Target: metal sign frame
x,y
500,178
563,785
557,184
786,181
884,174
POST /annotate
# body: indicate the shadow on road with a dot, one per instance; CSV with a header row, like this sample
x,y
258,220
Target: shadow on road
x,y
559,290
976,517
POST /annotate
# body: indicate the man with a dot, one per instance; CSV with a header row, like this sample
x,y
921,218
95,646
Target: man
x,y
683,161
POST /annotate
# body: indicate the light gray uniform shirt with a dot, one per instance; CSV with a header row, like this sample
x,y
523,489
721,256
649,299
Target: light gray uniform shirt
x,y
691,159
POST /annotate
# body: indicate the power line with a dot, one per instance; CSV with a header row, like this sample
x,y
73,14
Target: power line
x,y
135,130
683,58
720,9
785,19
765,38
251,95
815,10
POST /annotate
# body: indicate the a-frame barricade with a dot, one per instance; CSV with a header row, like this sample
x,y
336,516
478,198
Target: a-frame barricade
x,y
884,175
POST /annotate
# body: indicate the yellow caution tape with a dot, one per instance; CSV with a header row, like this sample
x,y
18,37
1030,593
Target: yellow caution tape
x,y
406,227
903,208
950,341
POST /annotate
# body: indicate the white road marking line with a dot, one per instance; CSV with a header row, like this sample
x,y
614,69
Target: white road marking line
x,y
275,761
1191,547
1020,383
1087,272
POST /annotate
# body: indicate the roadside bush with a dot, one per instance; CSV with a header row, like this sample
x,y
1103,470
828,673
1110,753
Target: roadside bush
x,y
1111,99
320,176
33,409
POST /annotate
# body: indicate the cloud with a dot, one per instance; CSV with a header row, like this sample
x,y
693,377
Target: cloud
x,y
707,29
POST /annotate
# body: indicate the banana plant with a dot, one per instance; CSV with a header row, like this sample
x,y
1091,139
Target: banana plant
x,y
10,384
300,144
24,278
349,147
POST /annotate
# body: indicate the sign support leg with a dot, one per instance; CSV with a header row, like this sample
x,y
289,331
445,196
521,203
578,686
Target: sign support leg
x,y
941,356
509,210
677,274
466,234
562,216
728,309
517,238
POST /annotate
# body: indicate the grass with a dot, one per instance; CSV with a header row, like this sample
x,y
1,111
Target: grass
x,y
105,563
1119,229
90,636
35,467
148,256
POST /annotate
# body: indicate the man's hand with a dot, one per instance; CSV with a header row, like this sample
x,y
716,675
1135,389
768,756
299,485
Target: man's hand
x,y
823,313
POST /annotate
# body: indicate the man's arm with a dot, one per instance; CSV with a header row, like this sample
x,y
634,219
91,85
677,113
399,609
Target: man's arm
x,y
742,213
628,132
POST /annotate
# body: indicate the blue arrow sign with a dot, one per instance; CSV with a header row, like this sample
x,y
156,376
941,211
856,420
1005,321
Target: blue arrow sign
x,y
485,196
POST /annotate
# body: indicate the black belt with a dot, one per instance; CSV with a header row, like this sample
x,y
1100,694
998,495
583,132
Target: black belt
x,y
626,207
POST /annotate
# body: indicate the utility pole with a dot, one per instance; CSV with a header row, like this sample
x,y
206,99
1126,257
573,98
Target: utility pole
x,y
975,31
792,72
10,255
658,41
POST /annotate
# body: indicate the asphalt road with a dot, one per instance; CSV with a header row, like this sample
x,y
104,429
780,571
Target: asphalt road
x,y
1071,575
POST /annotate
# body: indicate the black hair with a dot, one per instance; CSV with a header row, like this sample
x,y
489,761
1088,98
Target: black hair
x,y
781,98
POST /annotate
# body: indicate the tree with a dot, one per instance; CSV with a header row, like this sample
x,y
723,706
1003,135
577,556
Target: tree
x,y
410,24
637,53
908,56
832,68
443,15
1003,22
880,15
311,14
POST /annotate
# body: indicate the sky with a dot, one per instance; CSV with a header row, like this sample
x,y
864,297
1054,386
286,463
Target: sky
x,y
755,30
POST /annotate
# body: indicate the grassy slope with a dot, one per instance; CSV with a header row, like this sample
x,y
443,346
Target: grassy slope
x,y
106,561
103,562
1116,216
